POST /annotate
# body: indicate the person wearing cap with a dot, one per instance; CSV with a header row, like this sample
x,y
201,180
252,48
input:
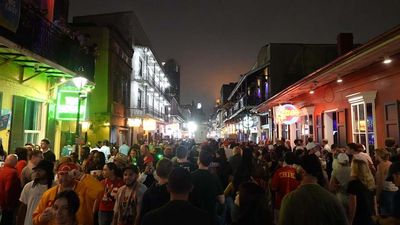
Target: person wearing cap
x,y
310,203
385,190
340,178
43,177
10,188
44,215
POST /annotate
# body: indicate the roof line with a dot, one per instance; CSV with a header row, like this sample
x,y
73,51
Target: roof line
x,y
337,62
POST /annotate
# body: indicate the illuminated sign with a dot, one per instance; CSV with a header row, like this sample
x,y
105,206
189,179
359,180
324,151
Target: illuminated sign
x,y
134,122
67,106
149,125
287,114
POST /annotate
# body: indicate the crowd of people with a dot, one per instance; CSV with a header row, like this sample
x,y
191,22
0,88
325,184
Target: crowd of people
x,y
218,182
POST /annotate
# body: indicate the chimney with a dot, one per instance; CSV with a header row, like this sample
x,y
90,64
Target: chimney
x,y
344,43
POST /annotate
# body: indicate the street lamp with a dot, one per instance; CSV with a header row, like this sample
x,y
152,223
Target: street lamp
x,y
79,83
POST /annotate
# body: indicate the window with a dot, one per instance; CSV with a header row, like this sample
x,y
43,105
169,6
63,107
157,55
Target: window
x,y
363,118
140,68
139,100
33,112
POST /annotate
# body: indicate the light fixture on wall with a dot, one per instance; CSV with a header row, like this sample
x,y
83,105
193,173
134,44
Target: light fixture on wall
x,y
312,91
387,60
339,80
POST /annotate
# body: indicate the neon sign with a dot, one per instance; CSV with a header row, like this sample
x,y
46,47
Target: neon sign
x,y
67,106
287,114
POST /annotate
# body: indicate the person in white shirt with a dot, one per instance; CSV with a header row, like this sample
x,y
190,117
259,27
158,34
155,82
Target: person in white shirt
x,y
31,194
106,149
327,147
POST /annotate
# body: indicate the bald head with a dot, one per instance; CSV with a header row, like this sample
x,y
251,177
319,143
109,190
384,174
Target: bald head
x,y
11,160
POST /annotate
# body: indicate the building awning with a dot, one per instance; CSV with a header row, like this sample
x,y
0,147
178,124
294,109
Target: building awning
x,y
375,50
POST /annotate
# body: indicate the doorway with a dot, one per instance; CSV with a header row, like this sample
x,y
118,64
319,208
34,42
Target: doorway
x,y
331,127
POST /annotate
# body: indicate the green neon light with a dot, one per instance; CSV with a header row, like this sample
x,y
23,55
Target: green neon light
x,y
67,106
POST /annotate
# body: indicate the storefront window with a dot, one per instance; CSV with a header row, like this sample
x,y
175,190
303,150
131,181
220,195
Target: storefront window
x,y
33,112
363,124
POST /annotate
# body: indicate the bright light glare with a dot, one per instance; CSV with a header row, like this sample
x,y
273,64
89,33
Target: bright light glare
x,y
312,92
199,105
387,61
339,80
192,126
79,82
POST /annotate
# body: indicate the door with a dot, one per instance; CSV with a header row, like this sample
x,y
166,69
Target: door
x,y
391,118
320,128
341,128
17,123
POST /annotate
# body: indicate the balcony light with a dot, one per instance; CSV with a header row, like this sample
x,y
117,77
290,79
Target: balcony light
x,y
387,60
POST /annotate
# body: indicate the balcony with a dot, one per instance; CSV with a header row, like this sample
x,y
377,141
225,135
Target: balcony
x,y
148,111
40,36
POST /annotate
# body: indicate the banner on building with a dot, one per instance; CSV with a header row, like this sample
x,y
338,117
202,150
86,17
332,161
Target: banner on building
x,y
4,119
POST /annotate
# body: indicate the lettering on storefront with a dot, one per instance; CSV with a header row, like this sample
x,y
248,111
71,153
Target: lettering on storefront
x,y
288,114
67,106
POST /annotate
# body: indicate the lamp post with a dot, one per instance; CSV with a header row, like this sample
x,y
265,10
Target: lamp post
x,y
79,83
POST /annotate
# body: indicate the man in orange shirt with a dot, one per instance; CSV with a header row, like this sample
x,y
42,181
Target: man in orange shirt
x,y
284,181
44,213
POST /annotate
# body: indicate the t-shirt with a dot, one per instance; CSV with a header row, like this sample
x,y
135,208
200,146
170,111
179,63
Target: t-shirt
x,y
155,197
124,149
206,188
178,213
26,174
49,156
342,175
185,165
30,196
284,181
127,197
311,204
110,193
106,150
365,202
20,166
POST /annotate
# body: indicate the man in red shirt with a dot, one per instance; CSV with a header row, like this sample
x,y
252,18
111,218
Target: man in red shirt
x,y
10,188
284,181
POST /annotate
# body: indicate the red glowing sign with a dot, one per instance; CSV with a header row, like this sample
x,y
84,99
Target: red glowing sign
x,y
287,114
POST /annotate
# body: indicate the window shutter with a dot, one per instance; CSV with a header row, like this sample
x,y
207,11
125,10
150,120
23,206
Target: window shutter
x,y
341,127
391,118
17,123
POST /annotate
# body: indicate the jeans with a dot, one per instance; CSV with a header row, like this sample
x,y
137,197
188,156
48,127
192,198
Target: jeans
x,y
386,202
105,217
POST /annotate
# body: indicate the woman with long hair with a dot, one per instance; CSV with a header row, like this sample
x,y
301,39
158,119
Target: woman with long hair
x,y
361,188
133,156
112,182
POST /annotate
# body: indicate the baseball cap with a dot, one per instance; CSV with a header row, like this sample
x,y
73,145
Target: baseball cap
x,y
343,158
394,168
67,167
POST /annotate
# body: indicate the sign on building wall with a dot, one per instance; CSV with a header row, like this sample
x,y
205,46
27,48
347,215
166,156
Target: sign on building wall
x,y
4,119
67,106
287,114
10,11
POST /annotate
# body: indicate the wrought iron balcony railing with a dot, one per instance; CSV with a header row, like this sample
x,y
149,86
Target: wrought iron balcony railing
x,y
43,38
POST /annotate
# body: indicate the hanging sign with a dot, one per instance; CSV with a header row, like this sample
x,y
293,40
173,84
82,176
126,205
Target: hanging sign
x,y
67,105
4,121
287,114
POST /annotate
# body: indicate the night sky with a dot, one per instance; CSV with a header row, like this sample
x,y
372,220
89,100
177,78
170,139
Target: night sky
x,y
215,41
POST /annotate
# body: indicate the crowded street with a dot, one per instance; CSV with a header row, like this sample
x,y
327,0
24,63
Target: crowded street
x,y
199,112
